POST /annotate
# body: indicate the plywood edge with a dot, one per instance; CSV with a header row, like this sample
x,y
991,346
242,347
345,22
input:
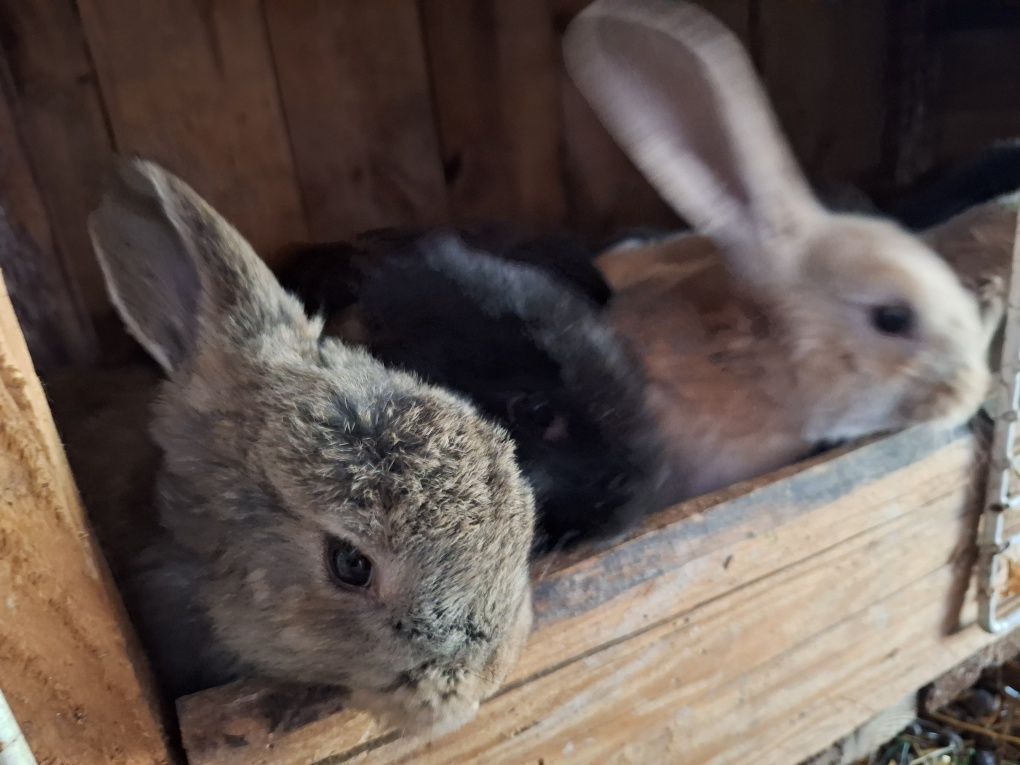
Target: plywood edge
x,y
688,556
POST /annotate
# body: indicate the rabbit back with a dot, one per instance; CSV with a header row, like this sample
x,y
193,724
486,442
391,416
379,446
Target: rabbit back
x,y
714,367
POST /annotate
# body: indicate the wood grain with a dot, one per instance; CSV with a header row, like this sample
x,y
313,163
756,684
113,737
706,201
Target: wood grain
x,y
56,101
677,565
493,69
824,68
828,517
70,670
192,86
43,293
733,680
354,83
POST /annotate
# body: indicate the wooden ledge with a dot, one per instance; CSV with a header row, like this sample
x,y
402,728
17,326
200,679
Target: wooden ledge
x,y
743,609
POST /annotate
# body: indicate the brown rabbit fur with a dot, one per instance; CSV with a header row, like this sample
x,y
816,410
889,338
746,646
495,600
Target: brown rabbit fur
x,y
783,326
273,444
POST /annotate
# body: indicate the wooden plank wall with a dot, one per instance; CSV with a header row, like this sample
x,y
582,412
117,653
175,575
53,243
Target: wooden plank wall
x,y
312,119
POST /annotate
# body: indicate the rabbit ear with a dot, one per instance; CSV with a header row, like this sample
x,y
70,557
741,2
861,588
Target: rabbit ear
x,y
978,243
176,270
680,95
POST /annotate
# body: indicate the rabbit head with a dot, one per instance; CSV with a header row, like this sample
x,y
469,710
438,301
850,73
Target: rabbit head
x,y
344,524
877,329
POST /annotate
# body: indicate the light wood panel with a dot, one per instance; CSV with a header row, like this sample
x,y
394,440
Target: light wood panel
x,y
766,674
68,664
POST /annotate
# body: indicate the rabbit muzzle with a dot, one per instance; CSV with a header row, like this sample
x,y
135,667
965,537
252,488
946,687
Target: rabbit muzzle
x,y
444,692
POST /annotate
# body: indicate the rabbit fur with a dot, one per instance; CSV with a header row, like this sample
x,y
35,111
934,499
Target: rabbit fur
x,y
779,326
526,346
270,444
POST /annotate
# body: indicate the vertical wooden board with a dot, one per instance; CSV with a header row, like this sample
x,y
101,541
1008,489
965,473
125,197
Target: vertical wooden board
x,y
57,105
528,55
606,191
494,77
192,86
824,66
47,302
68,664
354,84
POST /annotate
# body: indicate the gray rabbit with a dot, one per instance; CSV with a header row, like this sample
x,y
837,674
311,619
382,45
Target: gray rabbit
x,y
321,519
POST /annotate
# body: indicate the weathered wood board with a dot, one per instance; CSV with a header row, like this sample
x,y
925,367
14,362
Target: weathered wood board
x,y
494,78
354,85
46,298
763,623
56,99
192,86
68,665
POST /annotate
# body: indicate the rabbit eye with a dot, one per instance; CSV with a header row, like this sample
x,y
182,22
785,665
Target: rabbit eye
x,y
347,564
893,319
531,408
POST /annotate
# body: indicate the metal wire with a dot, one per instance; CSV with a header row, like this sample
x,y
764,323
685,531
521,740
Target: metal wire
x,y
1002,468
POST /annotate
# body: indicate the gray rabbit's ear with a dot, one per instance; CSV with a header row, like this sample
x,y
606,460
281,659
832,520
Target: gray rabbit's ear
x,y
177,272
680,95
978,243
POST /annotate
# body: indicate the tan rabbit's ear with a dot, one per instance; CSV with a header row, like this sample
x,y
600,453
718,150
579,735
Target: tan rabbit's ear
x,y
176,271
680,95
978,243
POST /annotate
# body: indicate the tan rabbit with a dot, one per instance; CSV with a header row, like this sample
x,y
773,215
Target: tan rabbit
x,y
781,326
300,512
